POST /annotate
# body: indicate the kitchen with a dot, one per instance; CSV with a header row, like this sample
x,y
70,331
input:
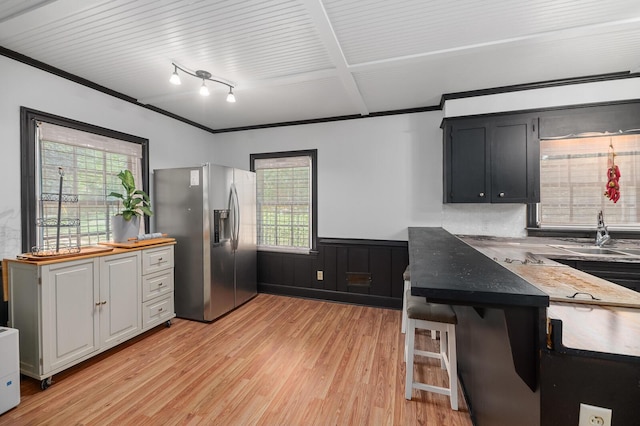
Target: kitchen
x,y
351,152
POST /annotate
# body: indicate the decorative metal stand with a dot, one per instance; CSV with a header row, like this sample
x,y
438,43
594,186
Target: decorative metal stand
x,y
58,222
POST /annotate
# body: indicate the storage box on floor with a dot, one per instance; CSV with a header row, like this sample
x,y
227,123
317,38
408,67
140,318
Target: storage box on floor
x,y
9,369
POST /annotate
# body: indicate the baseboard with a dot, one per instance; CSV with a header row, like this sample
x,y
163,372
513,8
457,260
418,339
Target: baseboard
x,y
335,296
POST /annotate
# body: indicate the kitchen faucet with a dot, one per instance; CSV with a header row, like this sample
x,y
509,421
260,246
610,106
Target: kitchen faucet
x,y
602,234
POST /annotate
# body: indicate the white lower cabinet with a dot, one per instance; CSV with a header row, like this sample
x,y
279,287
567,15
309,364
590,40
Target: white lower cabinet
x,y
70,310
119,302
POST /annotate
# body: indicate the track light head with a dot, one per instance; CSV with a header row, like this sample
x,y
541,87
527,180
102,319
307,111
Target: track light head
x,y
175,78
204,91
230,96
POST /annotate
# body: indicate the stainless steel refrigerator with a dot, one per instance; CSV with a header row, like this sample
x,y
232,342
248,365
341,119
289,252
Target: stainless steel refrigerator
x,y
211,212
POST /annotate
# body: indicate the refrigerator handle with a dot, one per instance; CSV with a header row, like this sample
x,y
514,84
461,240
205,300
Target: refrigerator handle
x,y
234,216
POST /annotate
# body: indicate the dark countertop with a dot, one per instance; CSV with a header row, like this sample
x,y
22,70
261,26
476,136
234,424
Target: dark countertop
x,y
444,269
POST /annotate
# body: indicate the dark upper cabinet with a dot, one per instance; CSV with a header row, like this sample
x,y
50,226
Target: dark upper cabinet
x,y
466,167
491,160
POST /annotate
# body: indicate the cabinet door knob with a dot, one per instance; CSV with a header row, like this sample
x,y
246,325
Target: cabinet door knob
x,y
104,302
97,303
481,194
160,310
501,194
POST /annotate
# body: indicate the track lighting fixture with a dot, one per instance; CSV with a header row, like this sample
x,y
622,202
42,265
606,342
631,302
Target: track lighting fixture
x,y
203,75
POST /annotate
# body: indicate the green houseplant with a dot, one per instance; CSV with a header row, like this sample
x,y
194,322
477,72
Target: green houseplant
x,y
135,203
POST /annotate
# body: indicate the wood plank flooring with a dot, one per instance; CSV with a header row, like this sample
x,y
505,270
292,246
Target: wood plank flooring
x,y
274,361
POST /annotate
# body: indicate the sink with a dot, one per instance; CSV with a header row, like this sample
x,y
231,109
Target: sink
x,y
632,252
592,250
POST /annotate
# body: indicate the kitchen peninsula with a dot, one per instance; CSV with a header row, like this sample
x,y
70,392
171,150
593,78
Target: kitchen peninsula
x,y
513,367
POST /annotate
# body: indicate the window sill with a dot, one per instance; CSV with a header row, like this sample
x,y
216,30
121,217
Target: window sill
x,y
285,250
582,233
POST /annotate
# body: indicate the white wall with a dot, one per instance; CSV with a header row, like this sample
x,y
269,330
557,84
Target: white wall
x,y
171,143
376,176
603,91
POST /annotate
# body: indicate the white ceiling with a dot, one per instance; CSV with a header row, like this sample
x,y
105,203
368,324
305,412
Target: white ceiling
x,y
306,59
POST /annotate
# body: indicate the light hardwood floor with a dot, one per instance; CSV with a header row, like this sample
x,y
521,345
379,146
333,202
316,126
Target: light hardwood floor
x,y
274,361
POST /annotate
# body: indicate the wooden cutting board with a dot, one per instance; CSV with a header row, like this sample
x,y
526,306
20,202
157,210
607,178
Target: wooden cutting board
x,y
141,243
83,251
561,282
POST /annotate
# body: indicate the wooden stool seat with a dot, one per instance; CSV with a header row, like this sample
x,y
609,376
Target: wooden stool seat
x,y
431,316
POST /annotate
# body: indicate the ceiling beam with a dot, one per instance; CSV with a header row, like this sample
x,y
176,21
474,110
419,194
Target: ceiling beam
x,y
319,16
559,35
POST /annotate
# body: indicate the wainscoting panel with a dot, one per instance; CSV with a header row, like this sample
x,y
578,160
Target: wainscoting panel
x,y
367,272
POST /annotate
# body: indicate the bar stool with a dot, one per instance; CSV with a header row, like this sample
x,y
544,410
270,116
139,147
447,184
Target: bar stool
x,y
406,275
431,316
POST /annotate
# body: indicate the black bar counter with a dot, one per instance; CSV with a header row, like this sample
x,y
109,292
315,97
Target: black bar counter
x,y
500,330
445,269
513,366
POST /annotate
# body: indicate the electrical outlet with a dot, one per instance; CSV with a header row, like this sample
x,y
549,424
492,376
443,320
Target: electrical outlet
x,y
591,415
320,275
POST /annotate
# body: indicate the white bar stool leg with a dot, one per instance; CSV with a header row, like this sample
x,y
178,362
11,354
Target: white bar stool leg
x,y
407,286
453,366
408,356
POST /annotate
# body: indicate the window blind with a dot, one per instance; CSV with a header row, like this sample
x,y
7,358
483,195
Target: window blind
x,y
573,178
89,164
284,208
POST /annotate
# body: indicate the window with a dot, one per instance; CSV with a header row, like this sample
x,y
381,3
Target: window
x,y
85,161
286,200
573,178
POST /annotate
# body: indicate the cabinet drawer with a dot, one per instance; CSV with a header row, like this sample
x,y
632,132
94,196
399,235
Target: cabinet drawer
x,y
156,311
157,284
156,259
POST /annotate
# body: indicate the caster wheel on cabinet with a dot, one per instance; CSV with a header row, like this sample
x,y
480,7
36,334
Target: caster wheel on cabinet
x,y
168,323
45,383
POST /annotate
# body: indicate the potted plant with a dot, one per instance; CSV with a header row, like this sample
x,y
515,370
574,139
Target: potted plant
x,y
135,203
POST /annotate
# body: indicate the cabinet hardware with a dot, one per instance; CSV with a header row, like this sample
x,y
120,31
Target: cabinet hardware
x,y
160,310
97,303
104,302
481,194
501,194
159,259
160,285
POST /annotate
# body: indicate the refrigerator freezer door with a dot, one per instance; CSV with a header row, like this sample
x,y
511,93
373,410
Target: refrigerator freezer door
x,y
180,206
221,262
246,254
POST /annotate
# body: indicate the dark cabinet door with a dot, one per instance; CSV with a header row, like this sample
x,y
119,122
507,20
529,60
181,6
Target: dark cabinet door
x,y
509,141
466,173
492,159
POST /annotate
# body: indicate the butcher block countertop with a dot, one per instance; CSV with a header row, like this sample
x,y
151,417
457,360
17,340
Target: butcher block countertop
x,y
85,252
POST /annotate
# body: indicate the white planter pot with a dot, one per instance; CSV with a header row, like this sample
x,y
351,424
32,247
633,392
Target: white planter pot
x,y
122,229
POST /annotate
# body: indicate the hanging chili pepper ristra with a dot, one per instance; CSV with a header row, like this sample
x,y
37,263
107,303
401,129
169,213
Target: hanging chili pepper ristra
x,y
612,191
